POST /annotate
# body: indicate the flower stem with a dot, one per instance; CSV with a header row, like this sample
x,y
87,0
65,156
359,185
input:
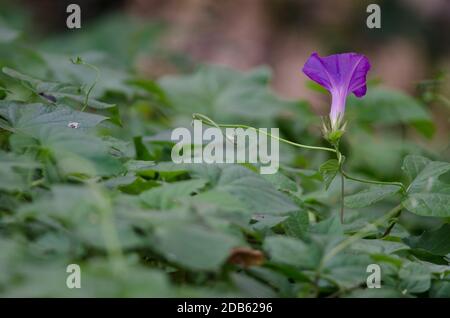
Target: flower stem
x,y
342,198
393,222
340,157
344,174
210,122
398,184
347,176
79,61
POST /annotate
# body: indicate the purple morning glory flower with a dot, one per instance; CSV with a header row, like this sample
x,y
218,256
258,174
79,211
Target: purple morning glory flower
x,y
340,74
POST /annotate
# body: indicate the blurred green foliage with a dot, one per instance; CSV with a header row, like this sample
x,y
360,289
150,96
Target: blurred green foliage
x,y
106,196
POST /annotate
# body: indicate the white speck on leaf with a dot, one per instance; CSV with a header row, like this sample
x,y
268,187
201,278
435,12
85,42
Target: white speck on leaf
x,y
73,124
429,185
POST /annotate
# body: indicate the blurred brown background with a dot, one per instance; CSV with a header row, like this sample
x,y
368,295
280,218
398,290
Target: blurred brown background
x,y
413,43
282,33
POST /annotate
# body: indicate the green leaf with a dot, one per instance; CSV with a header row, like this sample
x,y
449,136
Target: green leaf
x,y
379,246
14,171
166,170
169,195
414,278
193,247
274,279
427,178
291,251
370,196
257,194
75,187
427,195
51,91
436,242
344,269
220,199
347,269
98,279
112,77
226,93
414,164
28,118
331,226
251,287
131,184
76,152
265,222
80,212
329,170
440,289
281,182
428,204
296,224
153,88
93,103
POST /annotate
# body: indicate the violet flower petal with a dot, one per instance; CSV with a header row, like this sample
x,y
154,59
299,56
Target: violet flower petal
x,y
340,74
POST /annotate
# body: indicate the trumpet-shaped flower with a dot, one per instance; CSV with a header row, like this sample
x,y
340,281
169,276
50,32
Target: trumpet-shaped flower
x,y
340,74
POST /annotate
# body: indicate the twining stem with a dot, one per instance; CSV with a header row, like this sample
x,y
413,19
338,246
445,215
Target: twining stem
x,y
339,156
347,176
392,214
344,174
210,122
399,184
79,61
394,220
340,159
